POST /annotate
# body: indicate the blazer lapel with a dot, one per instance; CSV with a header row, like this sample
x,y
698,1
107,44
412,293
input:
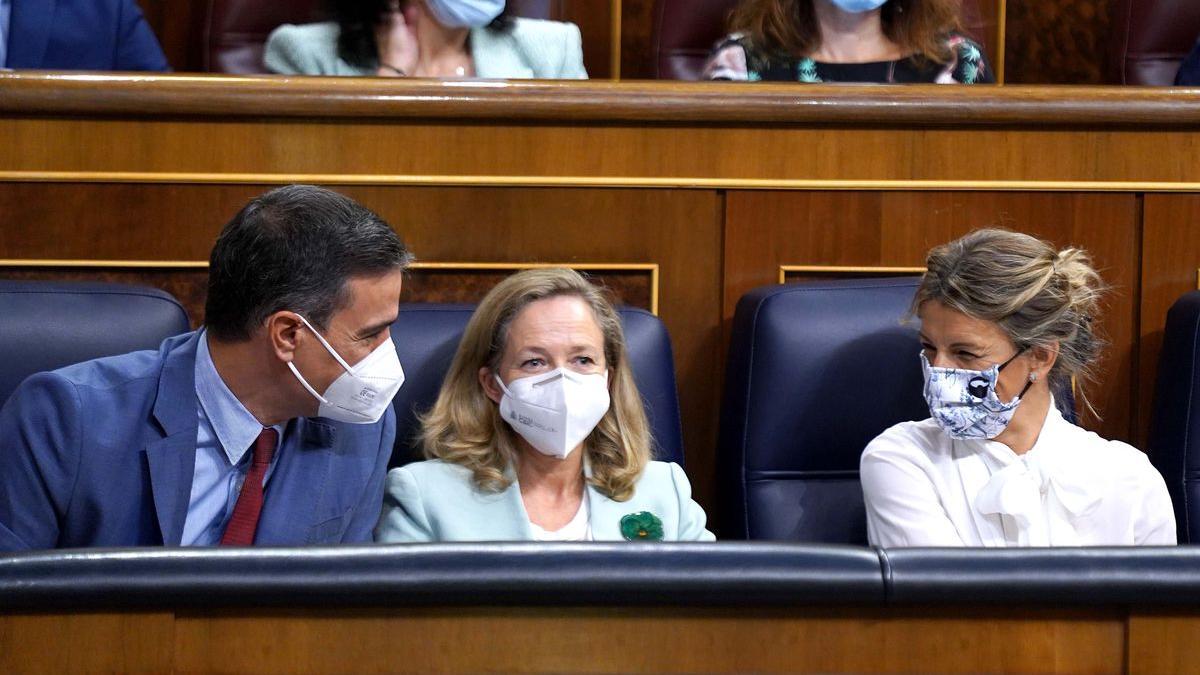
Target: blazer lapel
x,y
513,524
496,56
298,494
29,32
172,459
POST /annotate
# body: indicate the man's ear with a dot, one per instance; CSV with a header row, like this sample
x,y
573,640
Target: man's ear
x,y
1043,358
488,382
283,331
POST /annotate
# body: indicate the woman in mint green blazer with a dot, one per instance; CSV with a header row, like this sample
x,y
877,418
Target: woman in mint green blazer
x,y
539,433
427,38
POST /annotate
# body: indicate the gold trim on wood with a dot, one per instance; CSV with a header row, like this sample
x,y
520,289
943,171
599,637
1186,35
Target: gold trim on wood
x,y
652,268
591,182
845,269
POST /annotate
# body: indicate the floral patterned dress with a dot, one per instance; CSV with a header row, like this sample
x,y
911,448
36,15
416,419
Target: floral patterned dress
x,y
735,58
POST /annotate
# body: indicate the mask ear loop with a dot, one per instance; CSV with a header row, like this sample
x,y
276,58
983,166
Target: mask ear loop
x,y
325,344
1032,376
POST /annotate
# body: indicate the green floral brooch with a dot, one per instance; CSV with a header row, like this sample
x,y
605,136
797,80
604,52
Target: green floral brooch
x,y
641,526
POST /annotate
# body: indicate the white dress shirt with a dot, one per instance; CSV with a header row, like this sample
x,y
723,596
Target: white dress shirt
x,y
1073,488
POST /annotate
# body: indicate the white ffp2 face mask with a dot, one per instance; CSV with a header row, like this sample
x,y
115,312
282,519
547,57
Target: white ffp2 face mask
x,y
555,411
465,13
363,393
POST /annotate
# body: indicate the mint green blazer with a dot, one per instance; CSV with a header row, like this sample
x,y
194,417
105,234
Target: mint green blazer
x,y
437,501
532,49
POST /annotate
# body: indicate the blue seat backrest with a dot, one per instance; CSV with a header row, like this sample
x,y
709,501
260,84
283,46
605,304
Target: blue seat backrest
x,y
427,335
1174,445
46,325
816,370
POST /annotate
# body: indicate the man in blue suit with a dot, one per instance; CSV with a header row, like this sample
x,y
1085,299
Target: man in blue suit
x,y
77,35
272,425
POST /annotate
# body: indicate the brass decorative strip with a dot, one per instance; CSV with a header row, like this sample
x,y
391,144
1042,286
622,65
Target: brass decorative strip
x,y
784,270
651,268
594,182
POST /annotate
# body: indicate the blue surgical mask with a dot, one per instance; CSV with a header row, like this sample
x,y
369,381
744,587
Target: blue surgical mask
x,y
858,6
964,402
465,13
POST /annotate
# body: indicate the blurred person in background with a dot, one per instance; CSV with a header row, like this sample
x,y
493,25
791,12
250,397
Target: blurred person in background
x,y
77,35
427,38
877,41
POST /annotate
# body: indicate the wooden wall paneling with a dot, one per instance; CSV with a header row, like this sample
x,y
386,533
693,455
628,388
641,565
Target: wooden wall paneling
x,y
604,155
141,642
680,230
595,21
767,229
1170,260
1162,642
655,640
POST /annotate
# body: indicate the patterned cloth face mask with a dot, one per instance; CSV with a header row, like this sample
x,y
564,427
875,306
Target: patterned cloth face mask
x,y
964,402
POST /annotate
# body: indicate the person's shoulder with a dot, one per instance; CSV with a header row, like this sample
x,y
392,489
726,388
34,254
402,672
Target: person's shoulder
x,y
436,471
1121,460
911,440
323,33
307,49
111,372
541,29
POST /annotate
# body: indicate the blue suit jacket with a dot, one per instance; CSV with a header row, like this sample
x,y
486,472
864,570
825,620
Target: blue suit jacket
x,y
82,35
1189,72
102,454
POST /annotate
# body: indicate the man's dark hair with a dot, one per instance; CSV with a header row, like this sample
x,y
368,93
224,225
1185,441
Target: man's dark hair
x,y
294,248
357,20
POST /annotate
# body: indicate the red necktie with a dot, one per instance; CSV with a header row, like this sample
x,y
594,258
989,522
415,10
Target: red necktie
x,y
244,521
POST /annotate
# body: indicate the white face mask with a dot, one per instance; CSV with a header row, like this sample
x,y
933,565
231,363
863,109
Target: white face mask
x,y
555,411
859,6
465,13
361,394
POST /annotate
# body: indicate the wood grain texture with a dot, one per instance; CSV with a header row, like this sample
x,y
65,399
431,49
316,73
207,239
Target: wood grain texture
x,y
1057,42
31,93
1170,260
87,643
1162,642
767,229
572,639
655,640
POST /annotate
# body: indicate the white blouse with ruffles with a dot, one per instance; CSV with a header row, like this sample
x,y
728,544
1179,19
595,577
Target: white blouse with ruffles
x,y
1073,488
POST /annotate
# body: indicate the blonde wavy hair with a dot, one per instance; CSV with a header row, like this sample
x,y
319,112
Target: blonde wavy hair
x,y
464,426
1034,292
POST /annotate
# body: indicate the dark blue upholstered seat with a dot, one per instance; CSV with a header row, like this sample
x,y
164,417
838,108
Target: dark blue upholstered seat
x,y
816,370
46,325
426,336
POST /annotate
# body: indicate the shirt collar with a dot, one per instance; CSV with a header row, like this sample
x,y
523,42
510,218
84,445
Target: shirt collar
x,y
235,427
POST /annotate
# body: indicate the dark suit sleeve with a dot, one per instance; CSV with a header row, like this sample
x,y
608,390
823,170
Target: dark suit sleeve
x,y
40,437
366,514
137,47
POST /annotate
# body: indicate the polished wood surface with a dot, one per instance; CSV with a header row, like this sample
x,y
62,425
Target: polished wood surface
x,y
1058,41
719,191
514,639
36,94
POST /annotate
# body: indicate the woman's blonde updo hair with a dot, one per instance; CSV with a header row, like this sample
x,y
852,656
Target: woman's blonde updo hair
x,y
1036,294
464,426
